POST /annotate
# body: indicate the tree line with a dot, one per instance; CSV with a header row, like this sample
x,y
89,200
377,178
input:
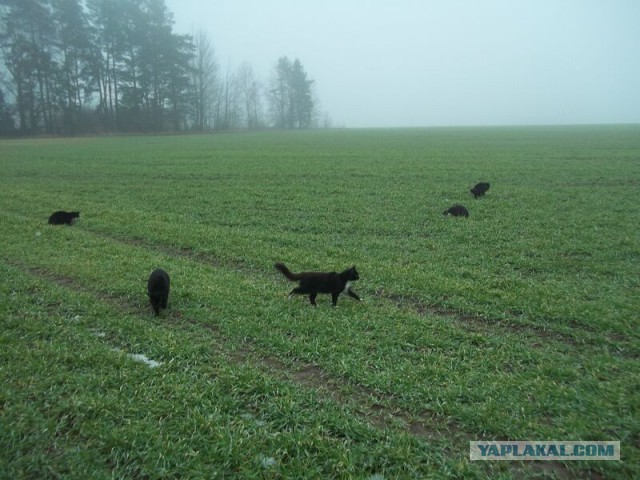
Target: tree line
x,y
98,66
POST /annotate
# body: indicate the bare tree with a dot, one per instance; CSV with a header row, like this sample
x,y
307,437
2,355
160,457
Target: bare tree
x,y
7,125
204,79
249,92
226,103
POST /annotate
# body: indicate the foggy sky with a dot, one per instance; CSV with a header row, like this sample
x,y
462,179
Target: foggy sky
x,y
397,63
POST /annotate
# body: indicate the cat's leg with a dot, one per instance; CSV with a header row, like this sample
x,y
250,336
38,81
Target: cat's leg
x,y
334,298
155,304
353,294
312,298
165,298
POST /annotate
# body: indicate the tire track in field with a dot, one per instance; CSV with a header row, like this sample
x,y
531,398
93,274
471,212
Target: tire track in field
x,y
179,252
616,345
370,404
534,335
357,398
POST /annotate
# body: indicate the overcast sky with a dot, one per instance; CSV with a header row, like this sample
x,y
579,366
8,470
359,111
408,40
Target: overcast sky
x,y
394,63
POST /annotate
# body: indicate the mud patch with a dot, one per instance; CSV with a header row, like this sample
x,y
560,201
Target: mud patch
x,y
309,373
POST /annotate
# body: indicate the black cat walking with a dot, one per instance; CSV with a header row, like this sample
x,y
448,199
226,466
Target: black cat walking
x,y
313,283
158,289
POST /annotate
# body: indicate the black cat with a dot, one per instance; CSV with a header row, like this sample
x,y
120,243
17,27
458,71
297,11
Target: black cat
x,y
480,189
313,283
457,211
158,289
63,218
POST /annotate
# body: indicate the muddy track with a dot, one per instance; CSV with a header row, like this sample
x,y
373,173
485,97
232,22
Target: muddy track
x,y
535,335
368,403
364,402
179,252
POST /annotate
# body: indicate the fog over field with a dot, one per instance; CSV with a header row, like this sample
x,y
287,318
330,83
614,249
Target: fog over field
x,y
440,62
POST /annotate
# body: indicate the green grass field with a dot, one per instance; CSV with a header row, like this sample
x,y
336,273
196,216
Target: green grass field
x,y
518,323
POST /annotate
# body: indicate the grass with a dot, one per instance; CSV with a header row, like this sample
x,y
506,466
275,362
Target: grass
x,y
520,322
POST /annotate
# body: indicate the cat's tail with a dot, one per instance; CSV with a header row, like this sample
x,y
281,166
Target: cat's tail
x,y
286,272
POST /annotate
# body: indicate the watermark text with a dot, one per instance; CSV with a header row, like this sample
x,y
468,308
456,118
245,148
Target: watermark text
x,y
544,450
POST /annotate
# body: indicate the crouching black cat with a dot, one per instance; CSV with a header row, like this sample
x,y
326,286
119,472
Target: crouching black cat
x,y
63,218
313,283
158,290
457,211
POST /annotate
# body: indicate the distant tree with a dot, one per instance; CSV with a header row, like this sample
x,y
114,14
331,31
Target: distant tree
x,y
226,111
279,93
249,91
26,41
204,78
326,120
141,67
133,114
43,40
109,19
290,95
7,123
301,100
75,57
117,65
160,62
155,79
179,59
